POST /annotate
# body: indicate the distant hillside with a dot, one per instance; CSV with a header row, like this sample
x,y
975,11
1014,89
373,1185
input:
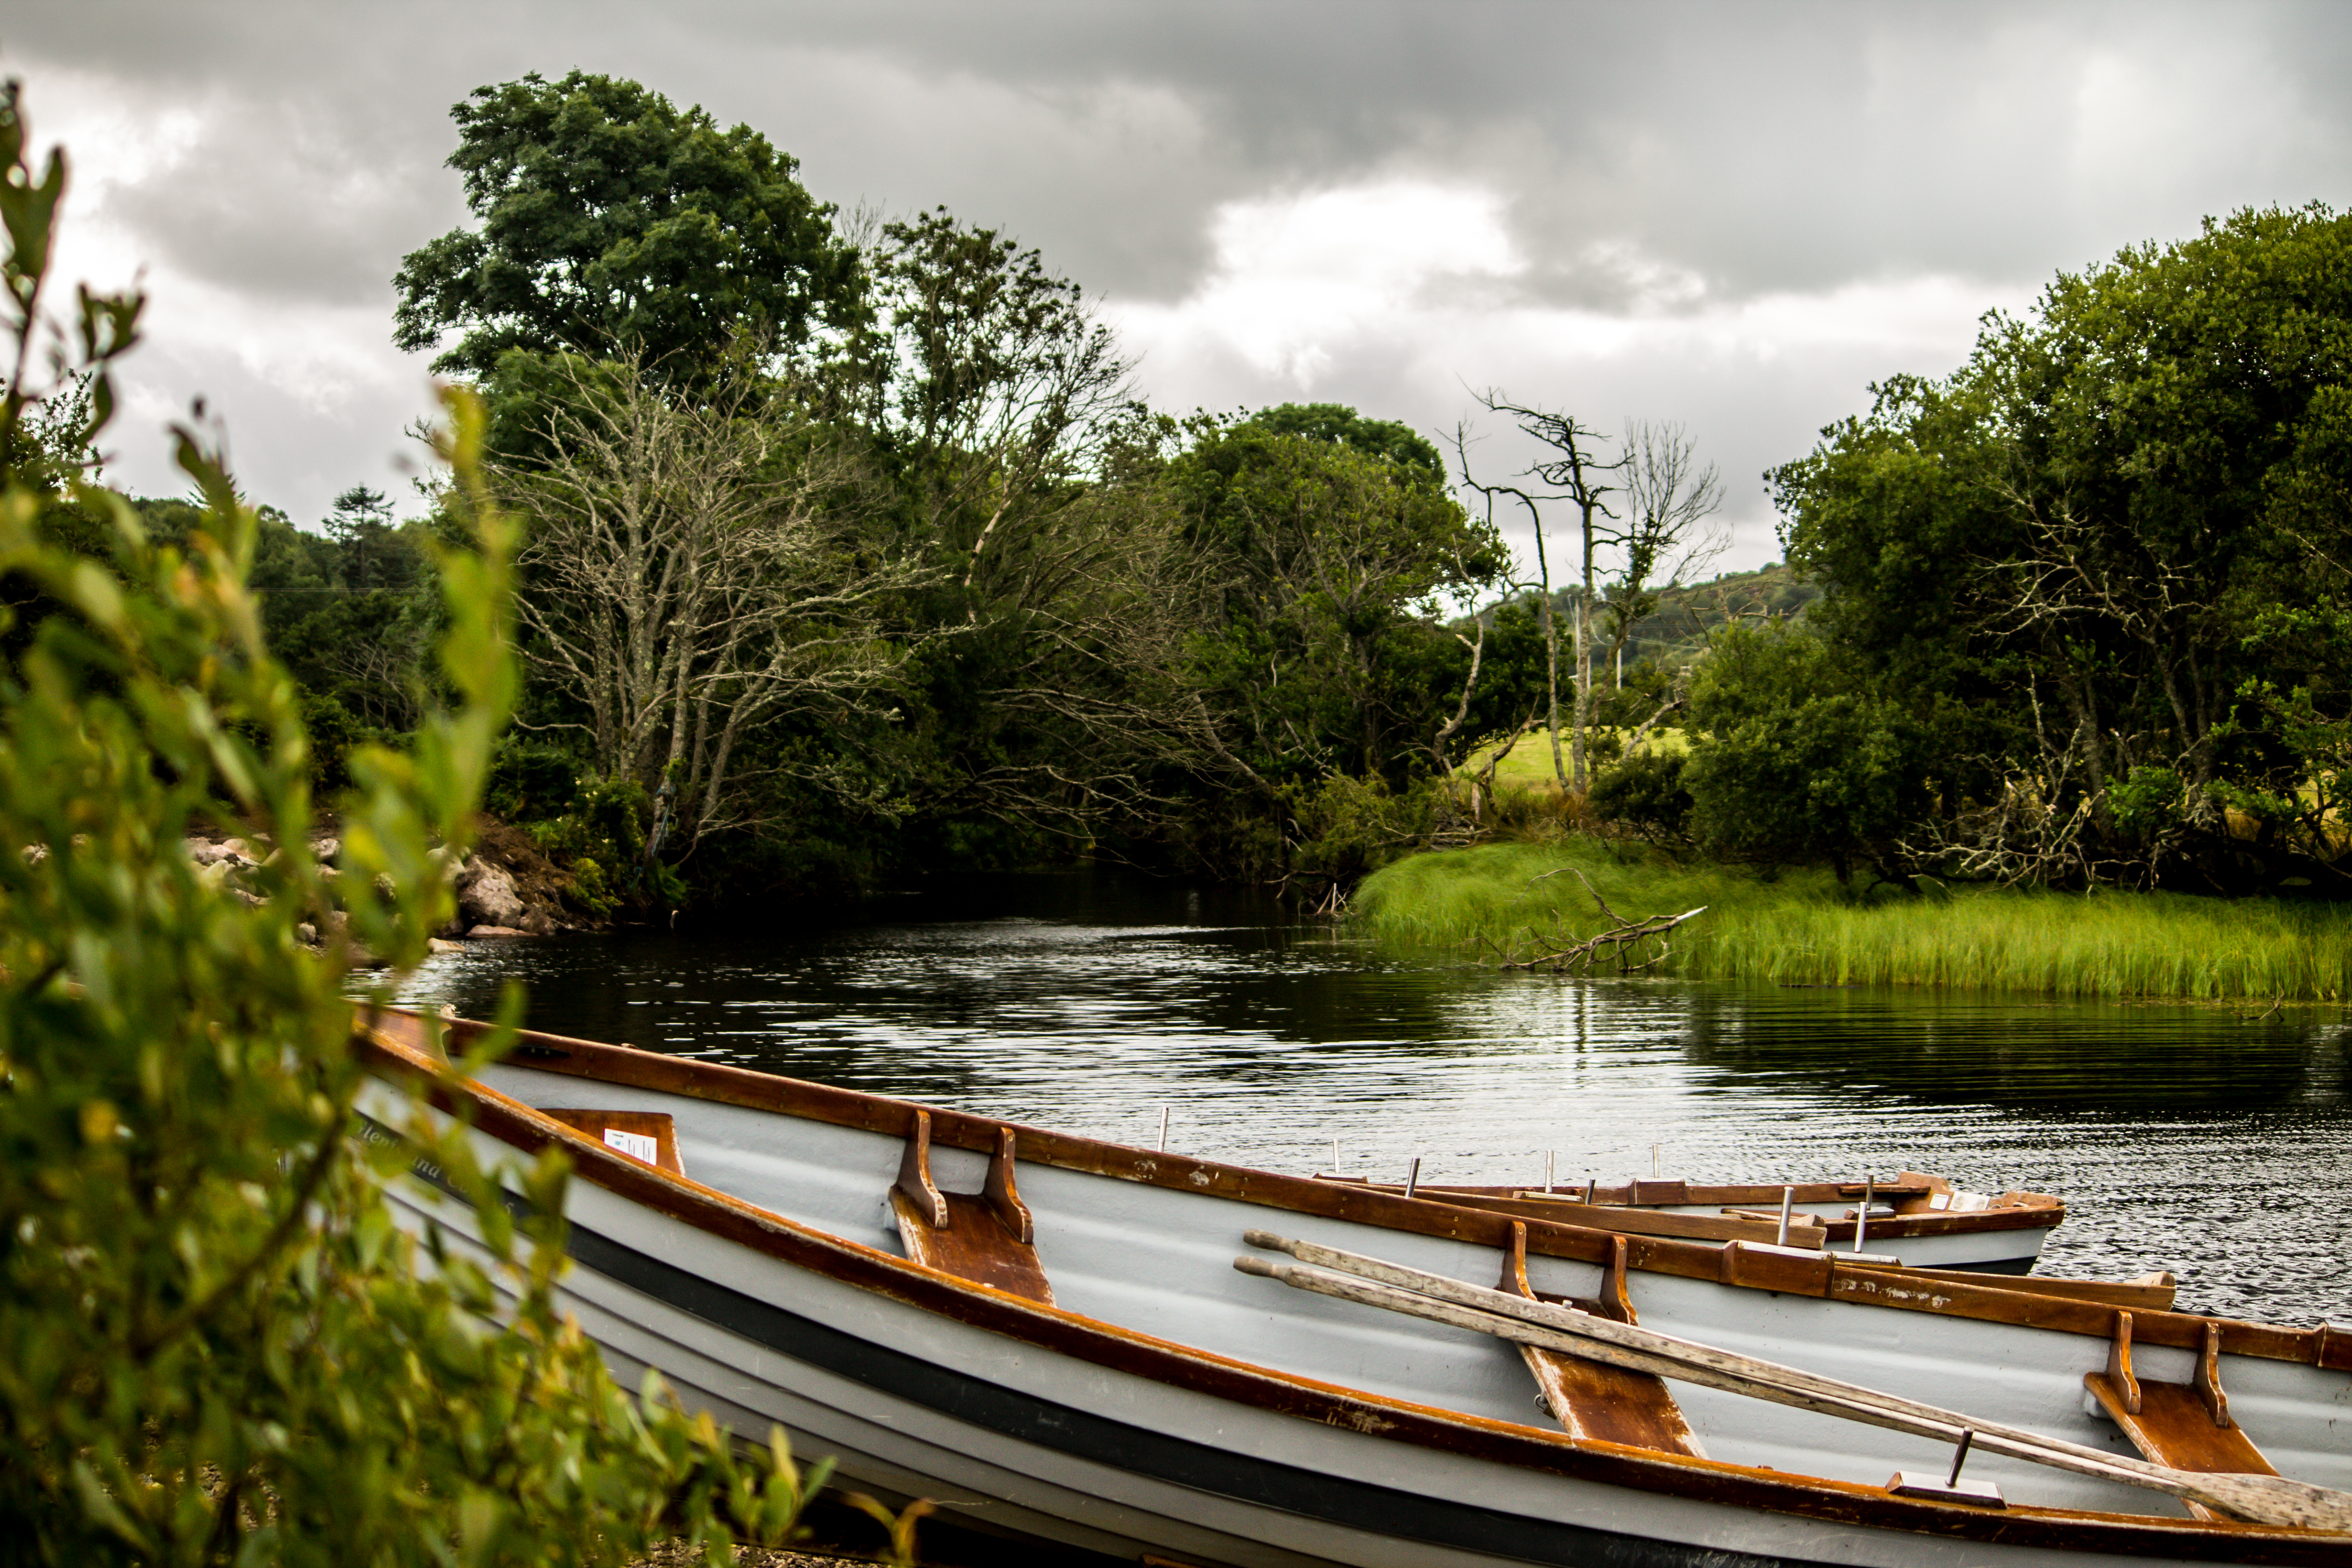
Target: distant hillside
x,y
1688,615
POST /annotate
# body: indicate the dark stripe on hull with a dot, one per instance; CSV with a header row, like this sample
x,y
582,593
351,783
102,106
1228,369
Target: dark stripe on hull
x,y
1178,1461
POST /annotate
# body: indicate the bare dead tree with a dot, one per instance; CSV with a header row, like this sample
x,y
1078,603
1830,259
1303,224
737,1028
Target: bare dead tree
x,y
1452,726
1532,504
687,575
1574,473
1476,644
1667,538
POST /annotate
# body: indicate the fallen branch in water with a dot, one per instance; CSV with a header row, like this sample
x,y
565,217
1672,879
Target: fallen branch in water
x,y
1621,941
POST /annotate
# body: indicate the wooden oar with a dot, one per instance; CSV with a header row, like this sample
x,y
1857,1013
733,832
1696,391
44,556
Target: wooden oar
x,y
2269,1499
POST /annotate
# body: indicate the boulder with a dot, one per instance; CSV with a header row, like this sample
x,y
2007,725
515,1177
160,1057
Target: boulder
x,y
487,896
481,932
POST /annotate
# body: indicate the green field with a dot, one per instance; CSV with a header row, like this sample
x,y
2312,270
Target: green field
x,y
1800,927
1529,764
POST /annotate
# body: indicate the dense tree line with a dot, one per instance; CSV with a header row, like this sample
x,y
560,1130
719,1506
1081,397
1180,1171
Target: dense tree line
x,y
2083,614
852,548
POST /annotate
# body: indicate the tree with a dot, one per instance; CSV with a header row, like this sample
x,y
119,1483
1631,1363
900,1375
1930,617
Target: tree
x,y
996,392
1330,562
1574,473
694,574
1792,758
1000,408
1664,541
1342,426
607,218
361,514
2109,551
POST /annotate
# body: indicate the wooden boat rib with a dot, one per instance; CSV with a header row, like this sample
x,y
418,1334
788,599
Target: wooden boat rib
x,y
1159,1403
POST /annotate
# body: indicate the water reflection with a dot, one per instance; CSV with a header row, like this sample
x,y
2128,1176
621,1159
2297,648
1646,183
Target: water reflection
x,y
2182,1137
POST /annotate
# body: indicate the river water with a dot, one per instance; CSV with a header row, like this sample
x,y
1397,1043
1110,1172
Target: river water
x,y
2192,1138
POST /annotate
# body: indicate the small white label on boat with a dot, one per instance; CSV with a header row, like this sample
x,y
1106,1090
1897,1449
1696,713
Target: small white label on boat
x,y
636,1145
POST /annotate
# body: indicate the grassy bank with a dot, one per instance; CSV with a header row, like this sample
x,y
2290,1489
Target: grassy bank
x,y
1802,928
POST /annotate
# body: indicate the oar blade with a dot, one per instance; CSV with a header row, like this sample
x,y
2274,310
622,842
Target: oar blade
x,y
2277,1499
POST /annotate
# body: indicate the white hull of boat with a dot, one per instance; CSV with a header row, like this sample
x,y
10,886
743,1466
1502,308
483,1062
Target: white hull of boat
x,y
1022,1436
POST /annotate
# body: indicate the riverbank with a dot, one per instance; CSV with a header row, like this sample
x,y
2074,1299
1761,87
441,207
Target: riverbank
x,y
1798,927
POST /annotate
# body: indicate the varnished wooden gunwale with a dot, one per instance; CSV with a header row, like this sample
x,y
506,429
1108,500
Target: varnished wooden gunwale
x,y
1611,1209
1803,1230
2131,1294
1097,1342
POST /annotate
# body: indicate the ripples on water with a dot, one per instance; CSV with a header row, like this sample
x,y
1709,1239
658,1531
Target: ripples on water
x,y
2182,1137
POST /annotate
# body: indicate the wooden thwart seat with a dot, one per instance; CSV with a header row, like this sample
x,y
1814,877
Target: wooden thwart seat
x,y
1592,1400
2186,1425
986,1237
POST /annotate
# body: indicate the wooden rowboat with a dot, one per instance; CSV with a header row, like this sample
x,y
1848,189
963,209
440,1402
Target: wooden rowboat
x,y
1073,1353
1913,1219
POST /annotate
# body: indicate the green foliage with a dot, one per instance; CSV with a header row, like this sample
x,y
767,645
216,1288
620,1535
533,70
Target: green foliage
x,y
1344,829
1802,928
596,829
1342,426
1795,759
1327,563
607,218
215,1345
1645,791
531,781
2148,801
2076,558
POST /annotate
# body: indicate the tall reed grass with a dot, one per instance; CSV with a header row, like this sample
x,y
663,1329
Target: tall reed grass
x,y
1802,928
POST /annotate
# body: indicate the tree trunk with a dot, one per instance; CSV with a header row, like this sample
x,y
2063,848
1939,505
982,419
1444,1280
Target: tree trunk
x,y
1583,656
1552,657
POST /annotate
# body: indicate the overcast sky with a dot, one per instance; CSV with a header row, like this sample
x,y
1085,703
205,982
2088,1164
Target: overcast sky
x,y
1736,216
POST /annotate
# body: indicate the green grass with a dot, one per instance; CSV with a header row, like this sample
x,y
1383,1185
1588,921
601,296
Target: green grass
x,y
1802,928
1529,764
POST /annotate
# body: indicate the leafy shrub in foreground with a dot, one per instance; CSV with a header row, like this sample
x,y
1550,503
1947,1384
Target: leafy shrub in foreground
x,y
215,1345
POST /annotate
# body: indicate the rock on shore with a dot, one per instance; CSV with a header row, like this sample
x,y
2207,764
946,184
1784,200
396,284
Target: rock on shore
x,y
504,887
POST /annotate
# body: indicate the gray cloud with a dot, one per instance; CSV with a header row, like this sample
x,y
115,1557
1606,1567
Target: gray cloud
x,y
1653,161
